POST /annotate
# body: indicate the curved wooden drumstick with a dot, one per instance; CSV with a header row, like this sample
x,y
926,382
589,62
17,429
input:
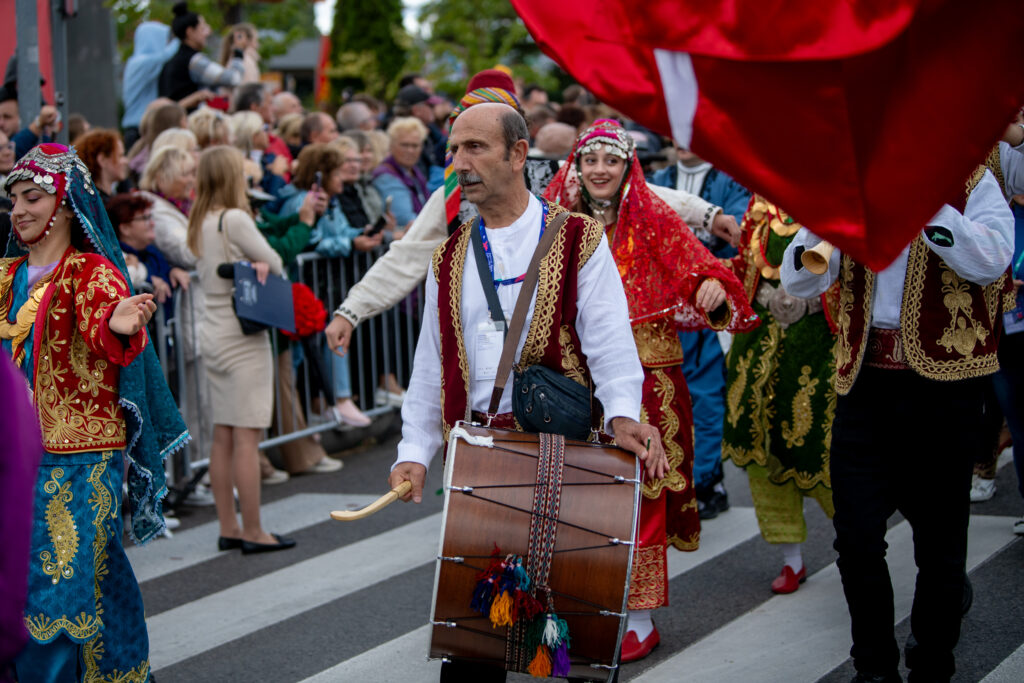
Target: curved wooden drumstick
x,y
379,504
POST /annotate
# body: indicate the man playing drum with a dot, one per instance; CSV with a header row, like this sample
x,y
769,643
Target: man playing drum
x,y
578,322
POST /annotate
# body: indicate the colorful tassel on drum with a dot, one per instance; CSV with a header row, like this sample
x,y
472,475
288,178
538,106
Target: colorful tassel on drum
x,y
486,583
501,610
540,667
560,665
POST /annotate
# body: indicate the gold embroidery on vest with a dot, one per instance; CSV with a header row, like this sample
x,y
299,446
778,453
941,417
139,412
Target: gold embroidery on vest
x,y
803,418
844,346
458,262
957,300
592,232
571,364
739,385
668,426
657,343
91,379
62,529
958,334
64,417
549,290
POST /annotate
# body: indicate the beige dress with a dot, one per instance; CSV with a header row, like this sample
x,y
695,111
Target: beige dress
x,y
239,367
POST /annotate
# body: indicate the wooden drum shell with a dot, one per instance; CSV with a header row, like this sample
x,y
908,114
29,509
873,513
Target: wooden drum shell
x,y
583,582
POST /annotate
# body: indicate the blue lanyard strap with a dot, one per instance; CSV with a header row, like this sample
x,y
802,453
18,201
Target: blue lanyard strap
x,y
490,257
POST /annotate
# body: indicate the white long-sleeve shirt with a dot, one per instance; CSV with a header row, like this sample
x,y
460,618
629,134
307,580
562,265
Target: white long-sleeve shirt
x,y
981,251
602,324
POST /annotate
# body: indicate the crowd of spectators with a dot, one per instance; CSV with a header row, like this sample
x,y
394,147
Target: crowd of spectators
x,y
338,183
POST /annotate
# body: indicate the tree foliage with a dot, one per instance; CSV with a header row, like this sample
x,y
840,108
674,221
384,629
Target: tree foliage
x,y
369,46
463,37
291,19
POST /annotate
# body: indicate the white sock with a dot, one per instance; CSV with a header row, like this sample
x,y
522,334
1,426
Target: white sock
x,y
792,557
640,622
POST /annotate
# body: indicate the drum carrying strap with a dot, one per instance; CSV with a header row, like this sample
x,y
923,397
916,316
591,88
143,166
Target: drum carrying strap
x,y
547,500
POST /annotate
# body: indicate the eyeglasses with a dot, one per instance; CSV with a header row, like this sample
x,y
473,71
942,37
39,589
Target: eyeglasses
x,y
353,160
145,218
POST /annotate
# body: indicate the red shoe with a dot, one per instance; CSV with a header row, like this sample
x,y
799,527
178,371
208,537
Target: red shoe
x,y
633,649
787,581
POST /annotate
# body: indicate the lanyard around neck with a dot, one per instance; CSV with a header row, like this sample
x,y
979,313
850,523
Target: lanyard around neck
x,y
485,243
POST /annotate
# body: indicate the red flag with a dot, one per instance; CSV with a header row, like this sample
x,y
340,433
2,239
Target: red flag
x,y
861,119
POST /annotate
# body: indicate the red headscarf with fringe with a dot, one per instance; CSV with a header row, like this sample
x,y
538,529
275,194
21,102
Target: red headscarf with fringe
x,y
661,262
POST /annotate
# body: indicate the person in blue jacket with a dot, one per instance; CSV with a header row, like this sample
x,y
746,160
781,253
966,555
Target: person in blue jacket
x,y
703,358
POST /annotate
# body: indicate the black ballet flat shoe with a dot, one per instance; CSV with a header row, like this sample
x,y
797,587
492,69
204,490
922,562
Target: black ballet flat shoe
x,y
283,543
225,543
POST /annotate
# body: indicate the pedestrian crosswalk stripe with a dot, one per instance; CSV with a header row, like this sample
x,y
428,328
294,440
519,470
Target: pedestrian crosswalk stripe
x,y
188,548
200,625
405,657
803,636
1010,670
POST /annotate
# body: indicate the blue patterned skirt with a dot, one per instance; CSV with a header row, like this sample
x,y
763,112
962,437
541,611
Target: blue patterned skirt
x,y
80,583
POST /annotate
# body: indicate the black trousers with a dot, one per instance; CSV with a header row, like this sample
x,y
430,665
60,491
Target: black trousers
x,y
903,442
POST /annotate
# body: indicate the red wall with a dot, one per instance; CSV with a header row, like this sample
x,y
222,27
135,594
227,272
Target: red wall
x,y
8,40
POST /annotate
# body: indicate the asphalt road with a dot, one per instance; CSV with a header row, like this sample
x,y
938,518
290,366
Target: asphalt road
x,y
351,601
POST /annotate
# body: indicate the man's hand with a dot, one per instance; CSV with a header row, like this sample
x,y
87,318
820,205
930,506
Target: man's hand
x,y
132,314
339,334
195,98
724,225
710,295
634,437
409,471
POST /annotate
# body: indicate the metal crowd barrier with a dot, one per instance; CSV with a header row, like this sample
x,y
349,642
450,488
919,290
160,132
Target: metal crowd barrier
x,y
380,346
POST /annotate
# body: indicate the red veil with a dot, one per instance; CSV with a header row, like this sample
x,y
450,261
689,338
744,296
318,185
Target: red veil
x,y
661,262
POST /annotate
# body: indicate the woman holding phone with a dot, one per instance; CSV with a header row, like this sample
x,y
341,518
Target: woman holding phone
x,y
239,367
321,165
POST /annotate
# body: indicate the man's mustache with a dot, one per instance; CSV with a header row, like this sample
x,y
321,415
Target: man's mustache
x,y
468,178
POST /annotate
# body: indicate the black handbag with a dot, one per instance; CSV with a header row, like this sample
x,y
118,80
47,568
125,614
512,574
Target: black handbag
x,y
248,326
543,400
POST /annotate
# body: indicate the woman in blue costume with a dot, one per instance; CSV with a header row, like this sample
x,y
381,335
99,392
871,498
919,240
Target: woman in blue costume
x,y
70,323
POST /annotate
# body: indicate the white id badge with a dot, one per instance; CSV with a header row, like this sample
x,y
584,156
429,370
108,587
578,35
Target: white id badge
x,y
490,339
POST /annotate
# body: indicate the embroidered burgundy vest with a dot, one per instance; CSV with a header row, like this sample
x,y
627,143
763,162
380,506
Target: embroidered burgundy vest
x,y
949,327
551,339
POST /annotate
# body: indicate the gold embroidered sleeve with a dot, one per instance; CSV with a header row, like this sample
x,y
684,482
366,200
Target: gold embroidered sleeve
x,y
98,287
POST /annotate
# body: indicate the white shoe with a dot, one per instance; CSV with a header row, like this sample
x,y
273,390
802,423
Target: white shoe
x,y
383,397
172,522
1018,527
200,497
982,489
327,464
347,413
277,477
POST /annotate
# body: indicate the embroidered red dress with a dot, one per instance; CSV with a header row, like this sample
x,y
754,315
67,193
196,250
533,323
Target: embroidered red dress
x,y
662,265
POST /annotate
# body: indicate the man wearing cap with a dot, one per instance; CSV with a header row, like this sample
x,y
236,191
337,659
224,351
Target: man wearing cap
x,y
402,268
412,100
584,327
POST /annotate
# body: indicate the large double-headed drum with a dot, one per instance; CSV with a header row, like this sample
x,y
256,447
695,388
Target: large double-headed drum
x,y
568,508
